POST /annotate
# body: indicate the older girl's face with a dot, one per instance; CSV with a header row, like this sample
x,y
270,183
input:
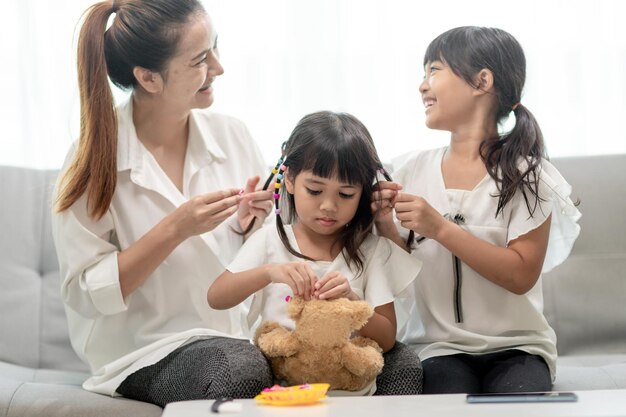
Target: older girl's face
x,y
448,98
188,81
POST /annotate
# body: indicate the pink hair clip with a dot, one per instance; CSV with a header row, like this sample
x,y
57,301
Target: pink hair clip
x,y
288,298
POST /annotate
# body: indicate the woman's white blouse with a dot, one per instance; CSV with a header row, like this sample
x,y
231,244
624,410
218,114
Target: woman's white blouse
x,y
388,271
493,318
117,336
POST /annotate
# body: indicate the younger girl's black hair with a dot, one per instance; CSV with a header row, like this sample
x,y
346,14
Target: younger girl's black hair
x,y
469,49
331,144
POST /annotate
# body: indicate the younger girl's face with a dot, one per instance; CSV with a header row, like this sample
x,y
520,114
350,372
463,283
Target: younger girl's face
x,y
324,205
448,98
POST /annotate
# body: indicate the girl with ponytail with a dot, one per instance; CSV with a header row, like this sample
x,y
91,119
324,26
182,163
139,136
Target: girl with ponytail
x,y
490,215
322,245
150,207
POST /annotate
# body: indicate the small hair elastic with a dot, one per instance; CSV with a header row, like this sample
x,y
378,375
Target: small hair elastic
x,y
516,105
226,405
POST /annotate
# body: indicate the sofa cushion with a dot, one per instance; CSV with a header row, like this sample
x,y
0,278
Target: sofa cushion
x,y
585,297
33,326
586,372
58,400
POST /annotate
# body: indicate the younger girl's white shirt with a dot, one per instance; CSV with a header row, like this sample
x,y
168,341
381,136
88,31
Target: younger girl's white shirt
x,y
494,319
388,271
117,336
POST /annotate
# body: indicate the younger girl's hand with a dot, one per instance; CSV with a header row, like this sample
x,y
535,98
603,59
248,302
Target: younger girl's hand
x,y
416,214
204,213
332,286
254,204
298,275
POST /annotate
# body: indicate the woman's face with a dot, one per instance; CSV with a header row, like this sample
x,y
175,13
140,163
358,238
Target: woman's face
x,y
191,72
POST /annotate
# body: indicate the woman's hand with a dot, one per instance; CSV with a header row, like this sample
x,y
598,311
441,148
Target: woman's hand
x,y
204,213
332,286
254,204
298,275
416,214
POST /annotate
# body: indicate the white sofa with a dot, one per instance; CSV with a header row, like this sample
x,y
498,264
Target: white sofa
x,y
40,374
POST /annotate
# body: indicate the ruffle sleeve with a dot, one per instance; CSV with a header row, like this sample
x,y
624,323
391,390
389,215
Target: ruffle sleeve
x,y
555,195
389,272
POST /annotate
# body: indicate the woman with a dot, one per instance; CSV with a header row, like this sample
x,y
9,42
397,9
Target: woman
x,y
145,211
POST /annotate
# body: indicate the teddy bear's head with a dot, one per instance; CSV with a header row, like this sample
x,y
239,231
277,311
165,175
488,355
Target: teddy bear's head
x,y
328,322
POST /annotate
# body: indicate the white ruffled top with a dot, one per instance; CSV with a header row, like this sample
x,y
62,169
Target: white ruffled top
x,y
387,272
494,319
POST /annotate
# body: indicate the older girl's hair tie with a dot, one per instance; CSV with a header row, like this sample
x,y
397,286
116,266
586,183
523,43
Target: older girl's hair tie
x,y
516,105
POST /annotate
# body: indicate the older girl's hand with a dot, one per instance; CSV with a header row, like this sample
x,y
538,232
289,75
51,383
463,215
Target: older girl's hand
x,y
383,200
416,214
254,204
332,286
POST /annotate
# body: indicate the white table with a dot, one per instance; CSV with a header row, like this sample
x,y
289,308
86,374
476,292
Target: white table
x,y
590,404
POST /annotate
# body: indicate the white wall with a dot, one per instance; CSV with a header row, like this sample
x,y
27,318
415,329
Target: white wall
x,y
285,58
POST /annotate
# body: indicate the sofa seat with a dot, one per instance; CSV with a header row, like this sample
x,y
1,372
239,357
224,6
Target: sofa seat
x,y
26,391
40,375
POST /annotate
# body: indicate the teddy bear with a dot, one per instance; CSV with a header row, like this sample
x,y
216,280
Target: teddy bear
x,y
320,349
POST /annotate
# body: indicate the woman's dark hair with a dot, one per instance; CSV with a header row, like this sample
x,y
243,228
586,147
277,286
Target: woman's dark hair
x,y
143,33
512,159
332,144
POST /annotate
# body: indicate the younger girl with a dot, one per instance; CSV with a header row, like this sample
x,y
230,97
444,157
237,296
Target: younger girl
x,y
490,214
328,250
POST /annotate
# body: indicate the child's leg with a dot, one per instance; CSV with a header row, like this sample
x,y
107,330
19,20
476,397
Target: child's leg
x,y
402,373
516,371
206,369
451,374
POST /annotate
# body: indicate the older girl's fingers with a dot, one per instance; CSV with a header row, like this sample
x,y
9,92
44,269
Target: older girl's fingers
x,y
387,185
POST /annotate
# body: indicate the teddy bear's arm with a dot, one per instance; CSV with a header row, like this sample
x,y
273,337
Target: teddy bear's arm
x,y
361,360
361,341
278,342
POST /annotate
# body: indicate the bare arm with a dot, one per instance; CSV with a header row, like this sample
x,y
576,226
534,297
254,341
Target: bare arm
x,y
199,215
230,289
381,327
515,267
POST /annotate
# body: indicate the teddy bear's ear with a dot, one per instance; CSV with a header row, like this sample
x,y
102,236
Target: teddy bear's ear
x,y
362,312
295,307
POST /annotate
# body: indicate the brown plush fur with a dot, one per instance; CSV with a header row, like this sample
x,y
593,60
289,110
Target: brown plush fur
x,y
320,349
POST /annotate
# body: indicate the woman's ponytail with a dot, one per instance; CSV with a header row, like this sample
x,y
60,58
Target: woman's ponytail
x,y
93,169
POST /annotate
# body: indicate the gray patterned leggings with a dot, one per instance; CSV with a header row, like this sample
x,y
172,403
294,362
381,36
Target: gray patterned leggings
x,y
402,373
205,369
222,367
